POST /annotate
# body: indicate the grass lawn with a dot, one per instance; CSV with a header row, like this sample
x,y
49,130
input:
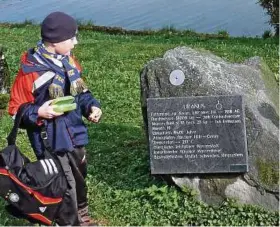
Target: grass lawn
x,y
121,189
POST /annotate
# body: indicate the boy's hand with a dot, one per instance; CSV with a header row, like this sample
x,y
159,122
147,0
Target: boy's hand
x,y
46,111
95,114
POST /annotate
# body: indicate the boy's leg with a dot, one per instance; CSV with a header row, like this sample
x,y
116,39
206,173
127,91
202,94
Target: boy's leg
x,y
68,212
80,173
79,167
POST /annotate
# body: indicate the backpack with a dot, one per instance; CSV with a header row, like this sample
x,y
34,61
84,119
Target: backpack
x,y
36,189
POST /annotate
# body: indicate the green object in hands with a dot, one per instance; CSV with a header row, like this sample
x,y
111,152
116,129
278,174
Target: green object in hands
x,y
64,104
63,100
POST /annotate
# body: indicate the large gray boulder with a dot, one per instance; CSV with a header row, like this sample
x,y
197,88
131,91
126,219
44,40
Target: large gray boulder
x,y
206,75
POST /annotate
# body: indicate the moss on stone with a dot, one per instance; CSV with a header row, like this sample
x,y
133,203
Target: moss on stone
x,y
222,183
268,172
270,83
213,188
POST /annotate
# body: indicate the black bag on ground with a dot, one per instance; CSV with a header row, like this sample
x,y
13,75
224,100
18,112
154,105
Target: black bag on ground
x,y
36,189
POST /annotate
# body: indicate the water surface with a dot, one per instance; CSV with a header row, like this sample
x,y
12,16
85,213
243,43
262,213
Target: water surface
x,y
238,17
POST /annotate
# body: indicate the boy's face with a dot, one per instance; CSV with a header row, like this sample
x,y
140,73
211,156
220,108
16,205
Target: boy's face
x,y
65,47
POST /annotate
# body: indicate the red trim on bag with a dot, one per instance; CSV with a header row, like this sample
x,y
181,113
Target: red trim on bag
x,y
4,172
41,218
44,200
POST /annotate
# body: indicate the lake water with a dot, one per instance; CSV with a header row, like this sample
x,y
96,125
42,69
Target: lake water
x,y
238,17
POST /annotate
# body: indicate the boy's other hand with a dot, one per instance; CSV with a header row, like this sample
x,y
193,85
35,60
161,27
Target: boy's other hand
x,y
46,111
95,114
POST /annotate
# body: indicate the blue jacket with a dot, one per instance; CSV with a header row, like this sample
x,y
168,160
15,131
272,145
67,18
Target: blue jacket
x,y
64,132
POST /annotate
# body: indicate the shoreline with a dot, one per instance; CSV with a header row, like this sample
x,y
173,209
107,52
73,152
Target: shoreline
x,y
170,31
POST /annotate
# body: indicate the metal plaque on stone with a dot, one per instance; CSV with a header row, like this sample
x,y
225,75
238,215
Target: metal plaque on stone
x,y
201,134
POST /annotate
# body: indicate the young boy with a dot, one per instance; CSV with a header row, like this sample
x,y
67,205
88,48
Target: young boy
x,y
49,71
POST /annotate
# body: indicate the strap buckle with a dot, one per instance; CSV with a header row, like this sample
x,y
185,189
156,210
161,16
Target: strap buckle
x,y
44,135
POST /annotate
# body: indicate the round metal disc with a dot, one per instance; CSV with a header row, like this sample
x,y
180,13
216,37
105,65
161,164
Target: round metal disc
x,y
177,77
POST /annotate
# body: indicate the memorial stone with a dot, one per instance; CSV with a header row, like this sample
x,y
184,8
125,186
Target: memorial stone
x,y
190,73
197,135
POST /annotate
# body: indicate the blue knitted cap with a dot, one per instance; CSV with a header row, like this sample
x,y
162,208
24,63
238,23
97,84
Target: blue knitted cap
x,y
58,27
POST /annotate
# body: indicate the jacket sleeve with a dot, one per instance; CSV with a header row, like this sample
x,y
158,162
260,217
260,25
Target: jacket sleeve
x,y
86,101
21,92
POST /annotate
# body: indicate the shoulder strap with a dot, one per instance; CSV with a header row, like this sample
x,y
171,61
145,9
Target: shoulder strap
x,y
13,134
44,136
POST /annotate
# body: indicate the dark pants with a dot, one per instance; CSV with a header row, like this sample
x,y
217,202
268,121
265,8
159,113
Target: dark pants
x,y
75,168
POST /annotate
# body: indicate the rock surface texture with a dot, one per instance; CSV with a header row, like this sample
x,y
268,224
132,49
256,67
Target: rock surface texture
x,y
207,75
